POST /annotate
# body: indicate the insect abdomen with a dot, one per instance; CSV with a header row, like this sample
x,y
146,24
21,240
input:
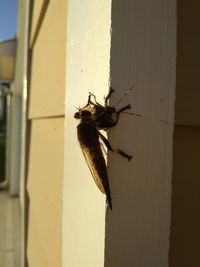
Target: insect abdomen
x,y
89,141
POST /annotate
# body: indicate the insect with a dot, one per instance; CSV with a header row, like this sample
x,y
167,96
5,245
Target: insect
x,y
103,115
93,116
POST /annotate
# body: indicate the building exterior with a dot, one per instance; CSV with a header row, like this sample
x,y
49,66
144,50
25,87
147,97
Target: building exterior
x,y
46,115
66,49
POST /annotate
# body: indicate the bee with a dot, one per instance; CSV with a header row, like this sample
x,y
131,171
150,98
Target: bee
x,y
94,117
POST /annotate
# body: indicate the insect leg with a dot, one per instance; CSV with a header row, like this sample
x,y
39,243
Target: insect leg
x,y
122,153
111,90
121,110
89,99
88,103
95,100
109,147
124,108
106,142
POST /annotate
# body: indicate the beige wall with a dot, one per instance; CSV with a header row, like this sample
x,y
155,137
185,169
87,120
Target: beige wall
x,y
185,231
45,190
46,112
48,63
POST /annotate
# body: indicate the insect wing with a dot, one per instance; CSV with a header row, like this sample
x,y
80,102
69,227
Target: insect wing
x,y
97,167
88,137
89,158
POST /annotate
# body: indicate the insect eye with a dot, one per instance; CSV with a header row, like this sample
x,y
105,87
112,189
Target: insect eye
x,y
77,115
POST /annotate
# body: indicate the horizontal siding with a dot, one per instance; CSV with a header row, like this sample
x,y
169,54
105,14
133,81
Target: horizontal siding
x,y
48,64
45,183
46,113
37,8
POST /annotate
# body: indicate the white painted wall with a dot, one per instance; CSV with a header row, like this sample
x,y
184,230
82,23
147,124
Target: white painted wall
x,y
88,56
143,54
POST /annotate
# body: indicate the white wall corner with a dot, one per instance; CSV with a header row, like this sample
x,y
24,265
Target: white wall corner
x,y
142,53
88,67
